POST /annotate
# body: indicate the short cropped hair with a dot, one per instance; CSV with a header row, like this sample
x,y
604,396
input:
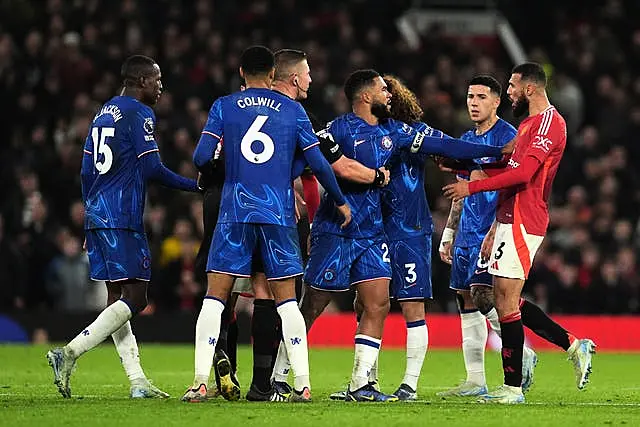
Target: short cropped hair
x,y
285,60
135,67
357,81
257,60
532,72
488,81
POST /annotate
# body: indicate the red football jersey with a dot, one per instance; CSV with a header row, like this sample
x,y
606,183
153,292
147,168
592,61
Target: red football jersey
x,y
543,136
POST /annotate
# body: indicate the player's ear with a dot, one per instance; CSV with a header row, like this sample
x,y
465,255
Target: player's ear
x,y
241,71
272,74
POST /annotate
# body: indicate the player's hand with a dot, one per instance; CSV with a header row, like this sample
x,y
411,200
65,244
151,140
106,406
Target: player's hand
x,y
445,252
478,174
457,191
387,176
381,177
345,210
508,148
299,203
487,243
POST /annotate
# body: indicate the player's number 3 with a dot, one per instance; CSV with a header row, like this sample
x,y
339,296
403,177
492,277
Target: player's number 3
x,y
254,134
99,137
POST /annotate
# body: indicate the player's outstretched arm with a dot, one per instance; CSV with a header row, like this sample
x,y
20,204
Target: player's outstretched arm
x,y
509,178
452,147
153,169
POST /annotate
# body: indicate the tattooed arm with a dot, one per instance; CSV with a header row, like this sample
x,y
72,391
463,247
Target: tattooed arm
x,y
449,232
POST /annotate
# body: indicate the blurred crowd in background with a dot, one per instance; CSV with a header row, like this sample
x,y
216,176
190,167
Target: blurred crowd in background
x,y
60,60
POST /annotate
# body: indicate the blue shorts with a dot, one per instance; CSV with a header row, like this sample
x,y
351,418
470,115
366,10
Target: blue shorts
x,y
411,266
336,263
117,254
233,245
468,269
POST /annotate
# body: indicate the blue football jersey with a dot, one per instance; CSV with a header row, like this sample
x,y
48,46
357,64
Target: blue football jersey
x,y
405,210
113,184
261,130
371,145
479,210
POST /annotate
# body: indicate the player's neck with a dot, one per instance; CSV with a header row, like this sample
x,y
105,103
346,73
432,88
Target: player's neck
x,y
538,104
485,125
131,92
284,89
258,83
362,111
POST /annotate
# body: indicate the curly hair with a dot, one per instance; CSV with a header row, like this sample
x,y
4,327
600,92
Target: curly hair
x,y
404,103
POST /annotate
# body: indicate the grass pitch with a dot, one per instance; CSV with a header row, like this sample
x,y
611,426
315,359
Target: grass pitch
x,y
100,393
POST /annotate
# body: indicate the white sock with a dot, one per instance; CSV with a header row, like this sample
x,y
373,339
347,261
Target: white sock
x,y
127,348
366,354
373,373
294,335
417,342
107,322
474,340
207,331
494,321
282,366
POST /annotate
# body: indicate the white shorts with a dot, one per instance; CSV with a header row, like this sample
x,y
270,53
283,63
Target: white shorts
x,y
513,252
243,286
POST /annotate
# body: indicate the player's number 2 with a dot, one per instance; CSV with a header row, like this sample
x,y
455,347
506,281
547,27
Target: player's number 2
x,y
254,134
99,137
385,253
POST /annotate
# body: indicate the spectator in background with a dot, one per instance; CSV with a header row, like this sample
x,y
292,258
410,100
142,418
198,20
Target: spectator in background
x,y
60,60
68,282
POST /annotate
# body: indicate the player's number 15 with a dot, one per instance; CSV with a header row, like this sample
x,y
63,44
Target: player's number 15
x,y
254,134
99,137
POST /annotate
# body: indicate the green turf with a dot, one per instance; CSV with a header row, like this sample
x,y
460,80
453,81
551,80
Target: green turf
x,y
28,397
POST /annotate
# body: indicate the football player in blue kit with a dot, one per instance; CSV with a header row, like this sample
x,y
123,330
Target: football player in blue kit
x,y
120,156
357,255
262,129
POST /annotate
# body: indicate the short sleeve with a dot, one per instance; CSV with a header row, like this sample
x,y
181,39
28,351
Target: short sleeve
x,y
545,137
142,131
305,135
214,125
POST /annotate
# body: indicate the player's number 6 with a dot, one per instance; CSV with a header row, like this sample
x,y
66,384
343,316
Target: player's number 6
x,y
254,134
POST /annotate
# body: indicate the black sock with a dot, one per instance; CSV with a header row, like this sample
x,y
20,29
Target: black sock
x,y
224,329
512,342
232,342
537,320
264,333
276,342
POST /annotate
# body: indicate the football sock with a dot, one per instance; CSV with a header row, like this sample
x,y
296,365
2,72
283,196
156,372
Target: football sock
x,y
108,321
225,320
207,331
512,342
264,333
373,373
275,345
281,366
294,335
492,317
232,342
366,354
417,342
474,340
127,348
537,320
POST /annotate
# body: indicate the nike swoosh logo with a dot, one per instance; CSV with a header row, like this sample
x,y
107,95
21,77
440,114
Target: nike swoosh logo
x,y
358,142
368,397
